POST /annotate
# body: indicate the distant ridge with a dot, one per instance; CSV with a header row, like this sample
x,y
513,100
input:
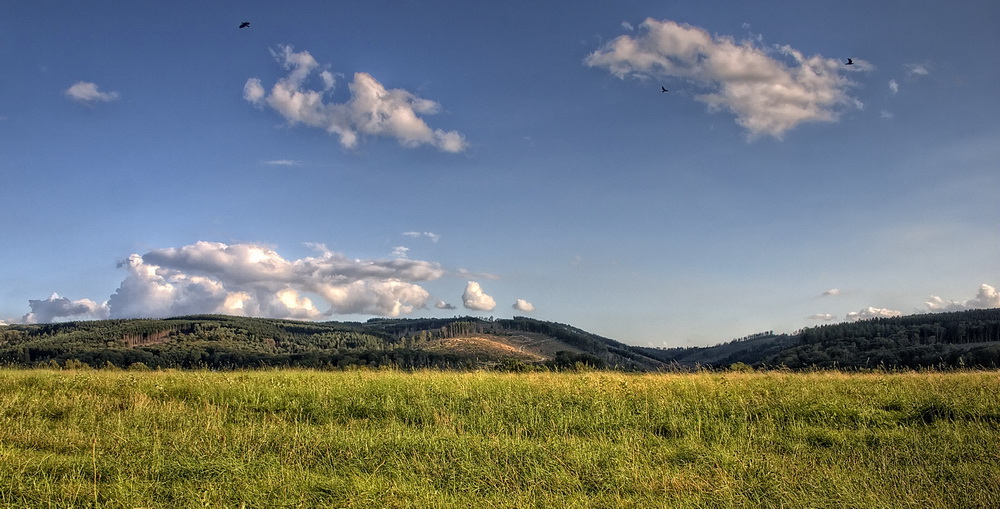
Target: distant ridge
x,y
230,342
941,340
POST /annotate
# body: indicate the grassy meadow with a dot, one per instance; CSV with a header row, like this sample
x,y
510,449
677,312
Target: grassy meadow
x,y
79,438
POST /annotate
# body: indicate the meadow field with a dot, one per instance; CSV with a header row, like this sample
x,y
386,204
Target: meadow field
x,y
107,438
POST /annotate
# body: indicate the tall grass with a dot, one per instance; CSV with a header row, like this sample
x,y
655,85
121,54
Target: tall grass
x,y
434,439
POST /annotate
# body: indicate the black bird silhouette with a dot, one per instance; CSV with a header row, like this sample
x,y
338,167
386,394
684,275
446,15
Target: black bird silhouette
x,y
663,89
849,62
245,24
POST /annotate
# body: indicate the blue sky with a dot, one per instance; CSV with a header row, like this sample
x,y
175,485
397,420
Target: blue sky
x,y
338,161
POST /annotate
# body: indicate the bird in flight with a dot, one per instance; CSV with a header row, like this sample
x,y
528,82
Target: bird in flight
x,y
849,62
663,89
245,24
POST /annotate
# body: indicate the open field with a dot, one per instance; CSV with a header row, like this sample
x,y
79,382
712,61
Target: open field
x,y
438,439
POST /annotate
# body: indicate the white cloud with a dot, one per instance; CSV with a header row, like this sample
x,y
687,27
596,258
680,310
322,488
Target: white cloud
x,y
871,312
628,26
893,86
769,90
832,292
283,162
465,273
371,110
56,307
444,305
987,297
254,280
88,93
253,91
400,252
826,317
916,69
523,305
474,298
433,236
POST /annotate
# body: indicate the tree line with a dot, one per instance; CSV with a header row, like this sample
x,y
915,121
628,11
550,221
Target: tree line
x,y
230,342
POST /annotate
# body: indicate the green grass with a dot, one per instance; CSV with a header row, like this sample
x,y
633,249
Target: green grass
x,y
435,439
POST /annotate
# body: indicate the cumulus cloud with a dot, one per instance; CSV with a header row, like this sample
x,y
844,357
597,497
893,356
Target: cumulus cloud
x,y
523,305
987,297
56,307
628,26
769,90
832,292
444,305
474,298
826,317
371,109
400,252
254,280
871,312
88,93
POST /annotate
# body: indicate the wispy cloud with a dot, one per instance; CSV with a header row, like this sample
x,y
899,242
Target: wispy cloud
x,y
465,273
893,86
769,90
371,110
832,292
826,317
433,236
88,93
283,162
917,69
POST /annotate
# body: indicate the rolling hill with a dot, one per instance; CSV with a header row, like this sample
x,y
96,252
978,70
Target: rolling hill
x,y
942,340
229,342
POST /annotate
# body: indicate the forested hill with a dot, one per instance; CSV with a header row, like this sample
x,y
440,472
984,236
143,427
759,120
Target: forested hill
x,y
945,340
228,342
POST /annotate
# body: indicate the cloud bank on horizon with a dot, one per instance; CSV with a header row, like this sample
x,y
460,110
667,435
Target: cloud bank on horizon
x,y
770,90
254,280
371,110
987,297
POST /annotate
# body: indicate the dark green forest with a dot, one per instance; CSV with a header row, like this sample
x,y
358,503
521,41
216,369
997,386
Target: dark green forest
x,y
940,340
229,342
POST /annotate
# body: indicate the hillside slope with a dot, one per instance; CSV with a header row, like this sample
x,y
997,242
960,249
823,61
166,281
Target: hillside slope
x,y
942,340
228,342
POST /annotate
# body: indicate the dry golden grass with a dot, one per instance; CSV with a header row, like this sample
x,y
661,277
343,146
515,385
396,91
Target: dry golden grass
x,y
436,439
